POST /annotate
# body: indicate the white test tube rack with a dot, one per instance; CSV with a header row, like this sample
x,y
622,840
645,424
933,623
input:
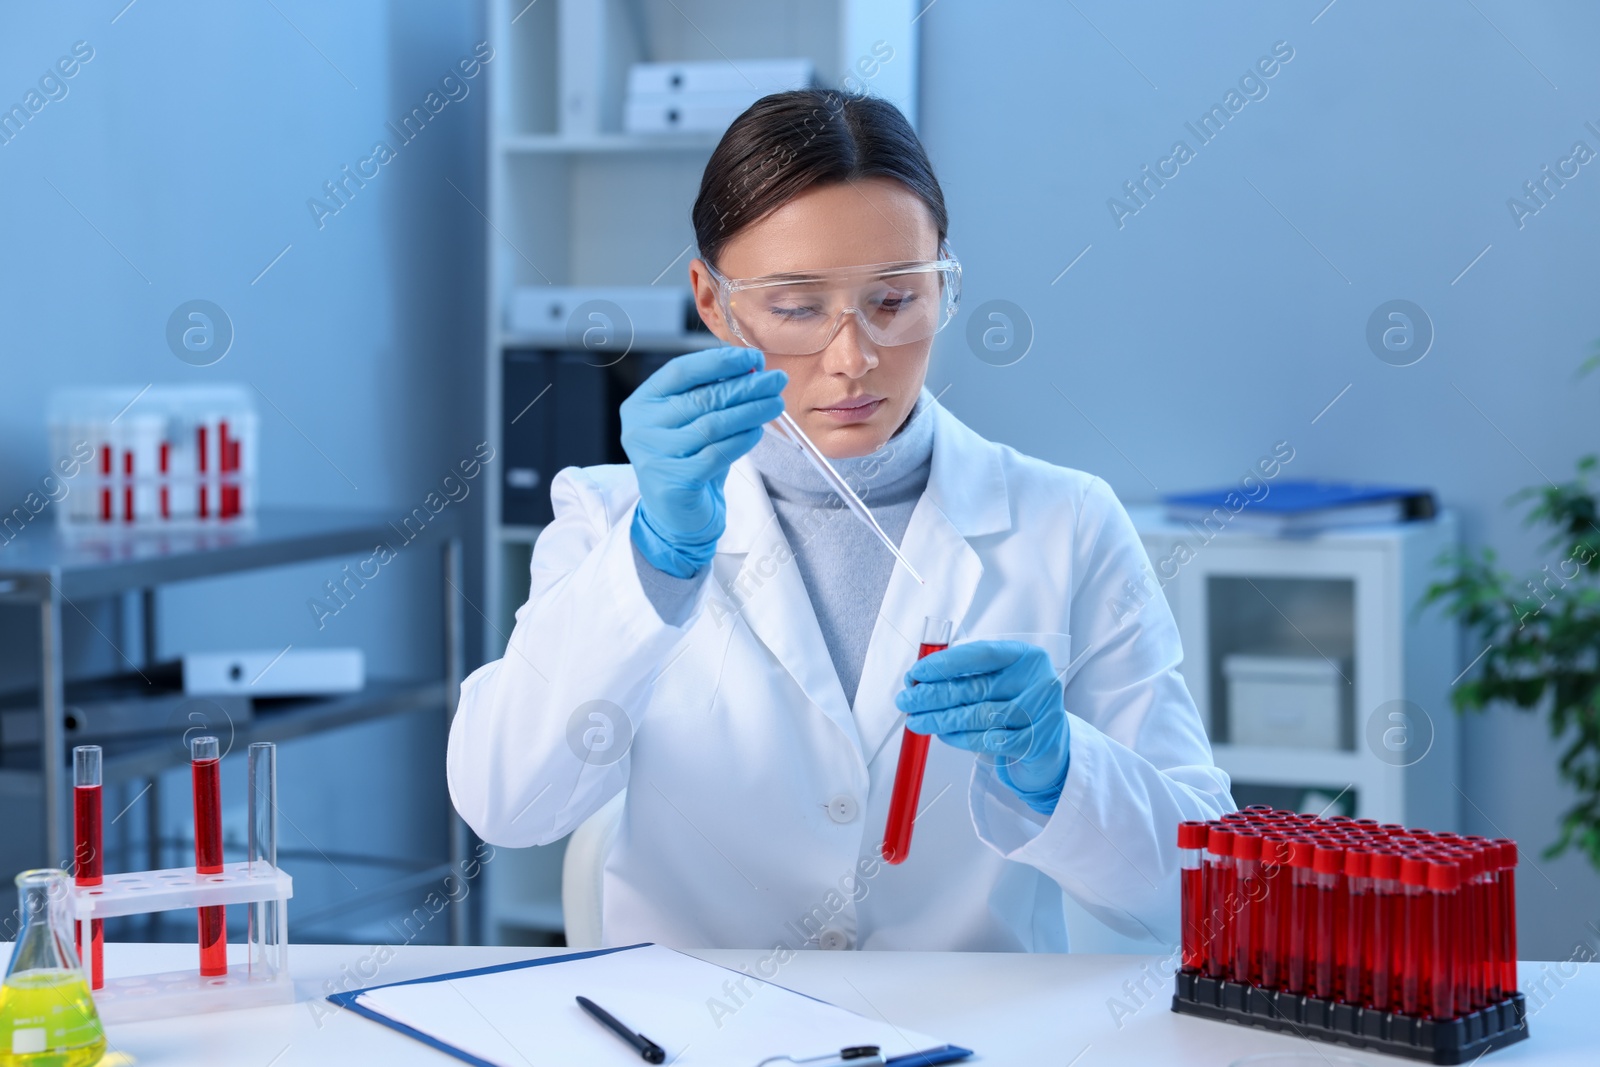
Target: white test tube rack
x,y
262,979
257,883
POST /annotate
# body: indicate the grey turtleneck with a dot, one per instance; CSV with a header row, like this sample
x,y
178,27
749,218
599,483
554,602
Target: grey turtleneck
x,y
844,567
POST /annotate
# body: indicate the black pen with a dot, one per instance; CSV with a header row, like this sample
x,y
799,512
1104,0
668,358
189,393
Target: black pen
x,y
652,1052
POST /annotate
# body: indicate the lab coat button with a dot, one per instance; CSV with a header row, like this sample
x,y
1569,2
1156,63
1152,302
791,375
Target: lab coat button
x,y
842,809
833,939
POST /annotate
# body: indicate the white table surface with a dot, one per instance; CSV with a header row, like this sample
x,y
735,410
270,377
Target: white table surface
x,y
1009,1008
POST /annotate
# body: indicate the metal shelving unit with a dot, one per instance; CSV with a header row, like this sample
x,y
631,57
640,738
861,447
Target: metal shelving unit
x,y
50,574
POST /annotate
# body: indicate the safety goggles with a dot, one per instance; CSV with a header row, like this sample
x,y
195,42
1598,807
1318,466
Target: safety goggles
x,y
800,312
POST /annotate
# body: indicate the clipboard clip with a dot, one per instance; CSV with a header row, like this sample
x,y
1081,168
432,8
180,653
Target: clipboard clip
x,y
854,1056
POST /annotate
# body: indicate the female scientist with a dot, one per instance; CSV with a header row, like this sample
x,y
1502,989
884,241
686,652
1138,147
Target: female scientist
x,y
710,630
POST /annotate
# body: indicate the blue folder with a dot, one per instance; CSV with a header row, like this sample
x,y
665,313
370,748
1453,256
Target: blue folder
x,y
925,1058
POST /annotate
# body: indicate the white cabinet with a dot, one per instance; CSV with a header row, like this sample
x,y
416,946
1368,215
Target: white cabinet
x,y
1350,599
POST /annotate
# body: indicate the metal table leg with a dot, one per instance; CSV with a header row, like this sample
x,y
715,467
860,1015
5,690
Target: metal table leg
x,y
461,925
52,733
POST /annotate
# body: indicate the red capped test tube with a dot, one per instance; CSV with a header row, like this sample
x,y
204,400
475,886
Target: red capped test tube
x,y
1483,979
1444,883
1272,906
908,772
1295,920
1219,895
1416,934
1356,982
206,768
1383,938
1245,916
1469,934
88,857
1327,866
1191,842
1507,917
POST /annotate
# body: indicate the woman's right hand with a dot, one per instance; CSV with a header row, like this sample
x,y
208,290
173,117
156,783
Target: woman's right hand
x,y
682,429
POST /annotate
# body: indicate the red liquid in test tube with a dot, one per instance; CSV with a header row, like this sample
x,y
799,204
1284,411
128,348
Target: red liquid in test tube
x,y
1327,866
1383,934
1191,841
1245,917
1294,931
1273,907
1356,983
1416,936
908,772
1444,883
207,771
1506,920
88,859
1217,929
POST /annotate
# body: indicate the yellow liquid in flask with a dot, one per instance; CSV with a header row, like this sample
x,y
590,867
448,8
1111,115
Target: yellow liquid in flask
x,y
47,1019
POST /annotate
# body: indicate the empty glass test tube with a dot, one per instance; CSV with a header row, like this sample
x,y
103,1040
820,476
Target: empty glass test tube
x,y
265,944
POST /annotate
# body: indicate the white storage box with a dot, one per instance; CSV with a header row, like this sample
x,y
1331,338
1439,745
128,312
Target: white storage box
x,y
696,113
1285,701
761,76
705,97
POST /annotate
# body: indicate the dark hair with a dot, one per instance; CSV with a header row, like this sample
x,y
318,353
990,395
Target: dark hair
x,y
789,142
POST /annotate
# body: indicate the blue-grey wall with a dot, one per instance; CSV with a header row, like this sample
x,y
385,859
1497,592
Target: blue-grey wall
x,y
1228,310
178,166
1224,315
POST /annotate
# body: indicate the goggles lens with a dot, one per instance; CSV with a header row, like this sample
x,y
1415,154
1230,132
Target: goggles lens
x,y
799,314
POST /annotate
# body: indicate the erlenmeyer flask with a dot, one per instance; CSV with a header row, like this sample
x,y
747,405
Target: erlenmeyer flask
x,y
47,1017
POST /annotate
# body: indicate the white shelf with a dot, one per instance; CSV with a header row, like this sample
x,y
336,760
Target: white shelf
x,y
671,343
519,535
606,143
540,915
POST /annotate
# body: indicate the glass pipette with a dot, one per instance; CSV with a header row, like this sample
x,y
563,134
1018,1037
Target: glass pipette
x,y
835,480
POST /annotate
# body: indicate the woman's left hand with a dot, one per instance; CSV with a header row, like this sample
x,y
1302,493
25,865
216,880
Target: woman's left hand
x,y
1000,698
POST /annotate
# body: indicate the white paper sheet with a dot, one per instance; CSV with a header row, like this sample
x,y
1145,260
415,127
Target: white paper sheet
x,y
692,1009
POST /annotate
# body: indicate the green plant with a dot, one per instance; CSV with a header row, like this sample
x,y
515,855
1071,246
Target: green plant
x,y
1544,639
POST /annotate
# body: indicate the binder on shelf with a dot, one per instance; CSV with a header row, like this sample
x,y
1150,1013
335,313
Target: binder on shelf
x,y
1303,507
559,409
517,1012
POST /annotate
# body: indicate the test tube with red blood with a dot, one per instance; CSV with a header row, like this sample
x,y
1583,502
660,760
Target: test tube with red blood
x,y
1464,935
1475,915
1444,884
1327,866
207,774
88,857
1416,934
1219,892
1356,983
908,772
1245,915
1293,931
1476,897
1506,920
1191,842
1273,906
1383,932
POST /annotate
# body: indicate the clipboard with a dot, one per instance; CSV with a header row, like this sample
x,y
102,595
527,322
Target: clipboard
x,y
474,1015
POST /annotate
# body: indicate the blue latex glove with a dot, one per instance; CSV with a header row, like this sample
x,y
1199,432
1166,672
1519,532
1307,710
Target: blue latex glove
x,y
1000,698
682,429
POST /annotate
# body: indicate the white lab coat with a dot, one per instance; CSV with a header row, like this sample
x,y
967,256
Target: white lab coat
x,y
756,796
